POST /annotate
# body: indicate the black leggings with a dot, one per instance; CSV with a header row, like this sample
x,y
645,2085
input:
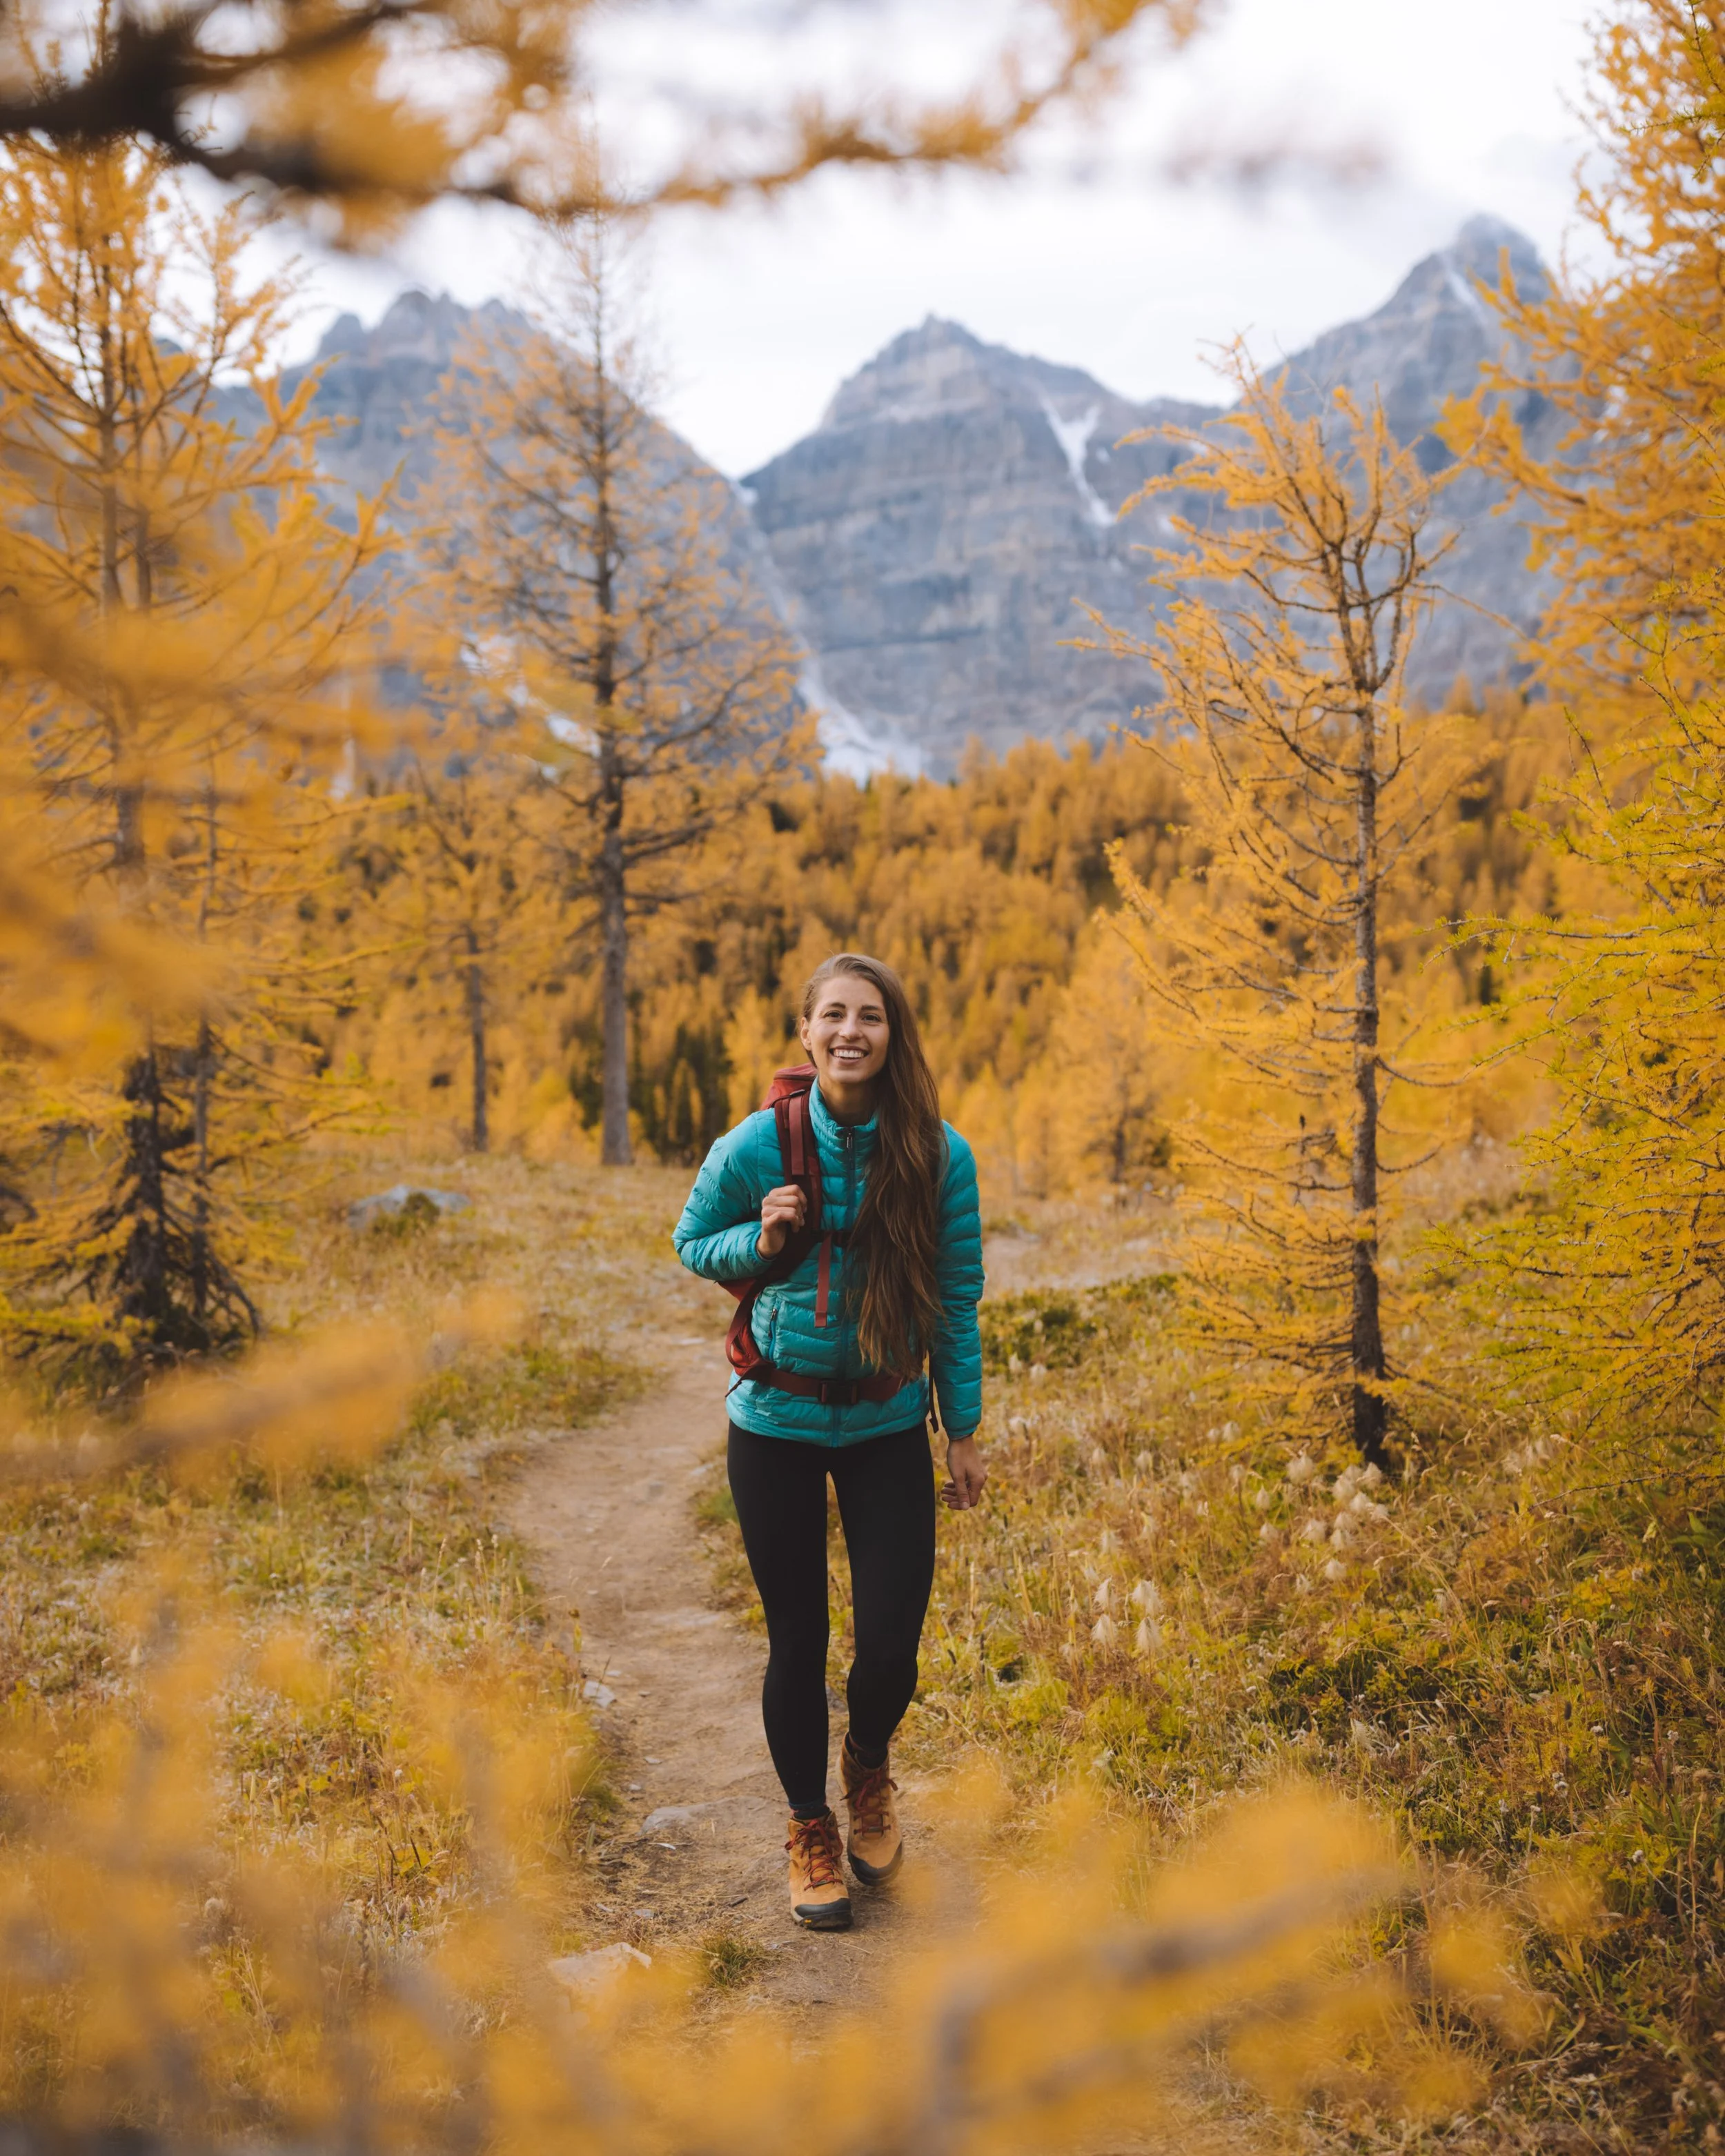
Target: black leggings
x,y
885,1487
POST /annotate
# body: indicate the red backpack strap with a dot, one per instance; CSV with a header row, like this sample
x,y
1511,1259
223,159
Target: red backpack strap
x,y
799,1162
798,1150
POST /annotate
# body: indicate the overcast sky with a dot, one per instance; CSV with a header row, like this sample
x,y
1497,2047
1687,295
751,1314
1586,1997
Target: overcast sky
x,y
1393,120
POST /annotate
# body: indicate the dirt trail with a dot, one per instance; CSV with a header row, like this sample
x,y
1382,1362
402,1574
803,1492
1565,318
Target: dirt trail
x,y
608,1511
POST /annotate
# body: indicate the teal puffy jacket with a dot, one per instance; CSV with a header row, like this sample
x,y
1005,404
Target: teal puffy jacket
x,y
716,1238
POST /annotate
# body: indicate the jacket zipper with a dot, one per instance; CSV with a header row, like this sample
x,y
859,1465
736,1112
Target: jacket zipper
x,y
850,1141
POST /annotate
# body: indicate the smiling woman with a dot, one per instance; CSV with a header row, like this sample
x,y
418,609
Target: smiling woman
x,y
853,1182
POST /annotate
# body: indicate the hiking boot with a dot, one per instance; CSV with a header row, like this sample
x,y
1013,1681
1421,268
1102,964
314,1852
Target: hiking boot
x,y
875,1845
817,1894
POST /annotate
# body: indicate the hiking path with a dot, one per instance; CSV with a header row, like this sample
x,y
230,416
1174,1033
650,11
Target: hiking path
x,y
674,1681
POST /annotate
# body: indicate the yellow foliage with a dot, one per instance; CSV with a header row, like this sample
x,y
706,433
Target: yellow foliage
x,y
362,116
1311,789
1625,510
159,1969
187,625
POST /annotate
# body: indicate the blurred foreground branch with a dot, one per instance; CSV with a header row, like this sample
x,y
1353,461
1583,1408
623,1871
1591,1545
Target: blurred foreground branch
x,y
1054,2019
341,1395
376,108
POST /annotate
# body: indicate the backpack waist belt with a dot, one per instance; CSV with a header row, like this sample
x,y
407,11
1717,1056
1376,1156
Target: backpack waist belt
x,y
830,1392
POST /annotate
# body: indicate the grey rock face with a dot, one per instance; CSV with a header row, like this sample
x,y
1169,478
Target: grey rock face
x,y
945,528
934,533
1426,344
940,540
378,386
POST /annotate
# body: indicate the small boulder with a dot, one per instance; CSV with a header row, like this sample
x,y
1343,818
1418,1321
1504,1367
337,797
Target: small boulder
x,y
585,1976
670,1815
405,1198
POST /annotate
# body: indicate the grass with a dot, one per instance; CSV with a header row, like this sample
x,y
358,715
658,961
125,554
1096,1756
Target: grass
x,y
1511,1652
370,1605
729,1962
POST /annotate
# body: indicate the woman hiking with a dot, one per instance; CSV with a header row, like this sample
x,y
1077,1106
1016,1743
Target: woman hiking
x,y
840,1306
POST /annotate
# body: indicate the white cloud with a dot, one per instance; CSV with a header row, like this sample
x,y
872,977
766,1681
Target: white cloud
x,y
1092,255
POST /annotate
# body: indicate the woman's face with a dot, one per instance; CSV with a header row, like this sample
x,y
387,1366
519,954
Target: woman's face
x,y
847,1034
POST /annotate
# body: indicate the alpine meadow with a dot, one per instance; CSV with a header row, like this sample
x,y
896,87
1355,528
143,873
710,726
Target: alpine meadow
x,y
1317,1742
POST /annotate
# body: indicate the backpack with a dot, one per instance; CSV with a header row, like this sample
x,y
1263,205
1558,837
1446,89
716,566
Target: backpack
x,y
787,1097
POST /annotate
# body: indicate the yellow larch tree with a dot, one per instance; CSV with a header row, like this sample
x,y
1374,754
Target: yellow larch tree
x,y
596,576
460,892
1607,1290
1106,1075
195,617
1309,786
1626,345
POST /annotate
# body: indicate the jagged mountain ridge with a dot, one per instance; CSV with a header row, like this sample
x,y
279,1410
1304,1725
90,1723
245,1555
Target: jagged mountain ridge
x,y
935,542
940,534
931,535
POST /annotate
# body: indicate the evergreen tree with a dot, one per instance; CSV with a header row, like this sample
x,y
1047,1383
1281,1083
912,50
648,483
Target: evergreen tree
x,y
1310,787
585,558
195,613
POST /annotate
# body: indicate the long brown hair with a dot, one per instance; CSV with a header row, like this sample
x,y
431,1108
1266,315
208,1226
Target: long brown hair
x,y
896,1238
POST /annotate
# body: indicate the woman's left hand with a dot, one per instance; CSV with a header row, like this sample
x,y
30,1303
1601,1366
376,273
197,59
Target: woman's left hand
x,y
965,1474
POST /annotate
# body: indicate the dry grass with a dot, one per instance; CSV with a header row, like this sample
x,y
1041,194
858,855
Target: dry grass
x,y
1511,1654
353,1591
1512,1651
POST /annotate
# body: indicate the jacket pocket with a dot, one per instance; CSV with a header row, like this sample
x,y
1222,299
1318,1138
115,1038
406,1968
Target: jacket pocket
x,y
765,1326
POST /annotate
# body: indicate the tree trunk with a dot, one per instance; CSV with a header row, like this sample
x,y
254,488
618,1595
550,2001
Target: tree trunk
x,y
1370,1411
145,1289
204,1081
481,1134
615,1150
202,1253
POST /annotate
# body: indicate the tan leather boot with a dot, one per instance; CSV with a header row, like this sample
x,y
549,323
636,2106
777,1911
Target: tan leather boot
x,y
817,1894
875,1845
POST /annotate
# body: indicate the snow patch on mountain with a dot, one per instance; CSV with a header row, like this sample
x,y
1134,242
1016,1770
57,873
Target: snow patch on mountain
x,y
1073,437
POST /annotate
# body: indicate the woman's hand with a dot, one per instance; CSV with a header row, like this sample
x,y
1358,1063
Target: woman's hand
x,y
781,1211
965,1474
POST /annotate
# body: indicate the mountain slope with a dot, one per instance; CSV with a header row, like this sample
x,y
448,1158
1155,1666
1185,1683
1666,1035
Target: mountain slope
x,y
932,532
939,536
378,388
1426,344
936,541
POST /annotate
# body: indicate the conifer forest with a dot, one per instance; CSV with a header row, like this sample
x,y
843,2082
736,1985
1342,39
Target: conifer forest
x,y
1320,1733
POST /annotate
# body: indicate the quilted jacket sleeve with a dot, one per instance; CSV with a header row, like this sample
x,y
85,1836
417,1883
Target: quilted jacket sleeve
x,y
715,1236
955,1361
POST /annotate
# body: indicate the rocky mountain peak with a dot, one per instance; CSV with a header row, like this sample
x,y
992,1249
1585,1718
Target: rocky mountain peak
x,y
1429,340
936,540
415,325
938,367
379,384
1479,249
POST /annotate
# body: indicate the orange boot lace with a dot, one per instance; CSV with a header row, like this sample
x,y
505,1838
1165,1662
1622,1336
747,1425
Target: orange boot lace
x,y
868,1801
815,1846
